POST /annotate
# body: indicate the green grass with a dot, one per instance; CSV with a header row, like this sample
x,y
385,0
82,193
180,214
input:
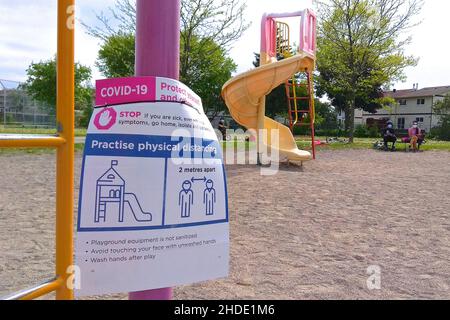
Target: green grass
x,y
238,145
367,143
36,151
304,143
7,130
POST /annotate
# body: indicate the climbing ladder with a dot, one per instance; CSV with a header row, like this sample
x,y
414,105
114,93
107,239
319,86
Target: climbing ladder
x,y
301,107
300,104
102,212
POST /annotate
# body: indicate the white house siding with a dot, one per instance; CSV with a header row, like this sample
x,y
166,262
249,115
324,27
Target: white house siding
x,y
410,112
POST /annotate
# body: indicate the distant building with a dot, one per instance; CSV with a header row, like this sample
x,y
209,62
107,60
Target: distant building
x,y
410,105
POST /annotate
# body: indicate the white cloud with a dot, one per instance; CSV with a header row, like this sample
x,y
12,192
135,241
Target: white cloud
x,y
28,34
25,36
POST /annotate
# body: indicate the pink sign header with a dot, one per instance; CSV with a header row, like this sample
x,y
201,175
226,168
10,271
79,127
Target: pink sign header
x,y
125,90
144,89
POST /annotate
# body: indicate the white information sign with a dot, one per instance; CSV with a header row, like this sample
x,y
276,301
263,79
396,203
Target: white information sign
x,y
153,209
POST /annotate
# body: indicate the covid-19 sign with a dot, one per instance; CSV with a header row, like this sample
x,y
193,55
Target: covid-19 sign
x,y
153,209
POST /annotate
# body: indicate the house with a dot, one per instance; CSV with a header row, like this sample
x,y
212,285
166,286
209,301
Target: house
x,y
410,105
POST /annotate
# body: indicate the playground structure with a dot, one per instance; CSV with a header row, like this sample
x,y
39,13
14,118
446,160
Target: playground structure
x,y
245,94
111,190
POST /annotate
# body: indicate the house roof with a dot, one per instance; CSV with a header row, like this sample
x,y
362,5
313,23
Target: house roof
x,y
111,177
419,93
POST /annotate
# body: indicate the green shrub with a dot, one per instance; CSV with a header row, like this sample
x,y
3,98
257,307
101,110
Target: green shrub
x,y
373,132
361,131
442,132
84,116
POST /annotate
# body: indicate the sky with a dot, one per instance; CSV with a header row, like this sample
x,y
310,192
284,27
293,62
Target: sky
x,y
28,34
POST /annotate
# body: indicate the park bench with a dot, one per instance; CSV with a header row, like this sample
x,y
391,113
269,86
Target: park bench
x,y
402,138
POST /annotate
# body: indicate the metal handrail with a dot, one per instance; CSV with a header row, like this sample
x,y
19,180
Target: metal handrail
x,y
27,292
64,142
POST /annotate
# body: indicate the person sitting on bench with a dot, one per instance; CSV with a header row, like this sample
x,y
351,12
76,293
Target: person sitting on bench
x,y
389,136
415,137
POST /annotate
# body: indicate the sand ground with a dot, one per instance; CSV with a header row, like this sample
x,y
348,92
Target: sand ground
x,y
305,233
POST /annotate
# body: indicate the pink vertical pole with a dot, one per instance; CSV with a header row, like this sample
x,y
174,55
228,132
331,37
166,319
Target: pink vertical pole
x,y
158,38
157,54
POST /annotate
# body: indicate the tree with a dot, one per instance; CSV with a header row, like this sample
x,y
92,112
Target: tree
x,y
222,21
41,85
326,116
208,28
361,50
116,57
209,69
442,108
219,21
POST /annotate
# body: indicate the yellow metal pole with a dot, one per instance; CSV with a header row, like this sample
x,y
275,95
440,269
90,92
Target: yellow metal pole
x,y
65,155
24,142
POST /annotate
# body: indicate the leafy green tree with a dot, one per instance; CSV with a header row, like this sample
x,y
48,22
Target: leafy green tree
x,y
442,108
209,66
116,57
222,21
326,116
41,85
209,69
208,29
361,50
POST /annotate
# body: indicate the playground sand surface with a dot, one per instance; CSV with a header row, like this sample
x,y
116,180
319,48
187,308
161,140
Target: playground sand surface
x,y
306,233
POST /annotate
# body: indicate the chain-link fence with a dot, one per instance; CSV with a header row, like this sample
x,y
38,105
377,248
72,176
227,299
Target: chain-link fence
x,y
17,109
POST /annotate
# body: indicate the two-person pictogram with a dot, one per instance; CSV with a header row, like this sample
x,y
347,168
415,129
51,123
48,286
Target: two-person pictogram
x,y
186,197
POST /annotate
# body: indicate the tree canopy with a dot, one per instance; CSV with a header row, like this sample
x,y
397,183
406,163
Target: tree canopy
x,y
41,85
208,29
361,51
209,67
222,21
116,57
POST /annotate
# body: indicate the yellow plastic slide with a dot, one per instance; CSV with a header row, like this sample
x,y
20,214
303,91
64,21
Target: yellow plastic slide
x,y
245,97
